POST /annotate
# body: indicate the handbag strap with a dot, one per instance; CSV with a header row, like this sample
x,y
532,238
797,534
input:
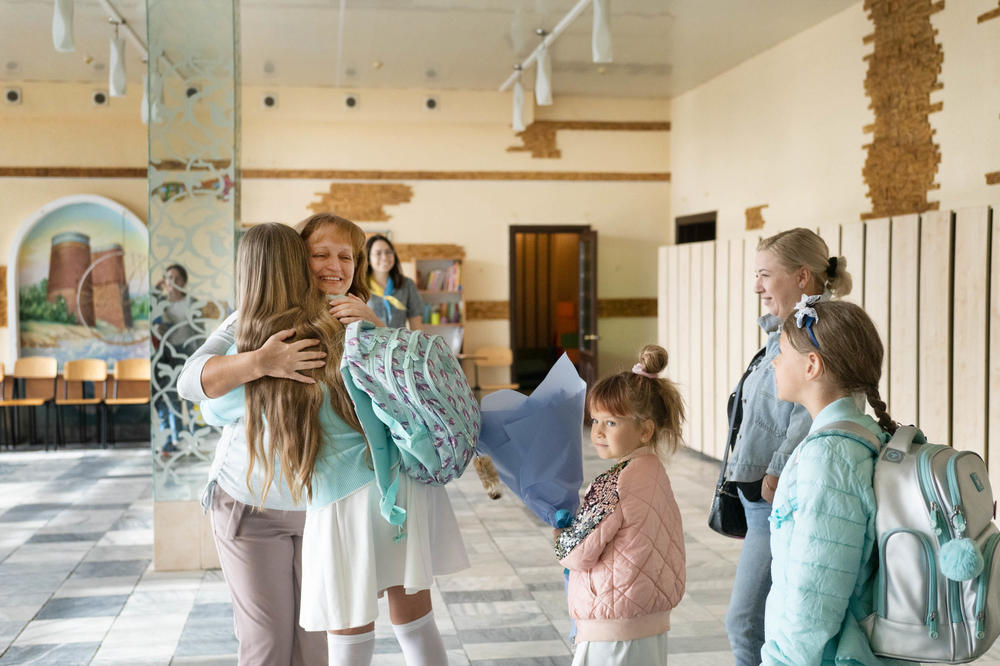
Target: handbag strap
x,y
734,422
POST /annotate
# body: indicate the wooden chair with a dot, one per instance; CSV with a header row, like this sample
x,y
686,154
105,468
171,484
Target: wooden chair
x,y
34,386
129,386
76,375
491,357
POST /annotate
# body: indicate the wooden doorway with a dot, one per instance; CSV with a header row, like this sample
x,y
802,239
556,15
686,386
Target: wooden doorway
x,y
553,300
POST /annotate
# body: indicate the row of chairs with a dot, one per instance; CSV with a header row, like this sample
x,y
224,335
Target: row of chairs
x,y
36,383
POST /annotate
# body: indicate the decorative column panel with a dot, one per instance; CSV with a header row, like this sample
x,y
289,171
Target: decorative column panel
x,y
193,120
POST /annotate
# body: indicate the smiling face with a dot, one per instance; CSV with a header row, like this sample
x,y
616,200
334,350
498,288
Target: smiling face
x,y
381,258
617,436
331,259
778,287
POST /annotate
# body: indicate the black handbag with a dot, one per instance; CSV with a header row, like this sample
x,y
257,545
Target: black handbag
x,y
726,515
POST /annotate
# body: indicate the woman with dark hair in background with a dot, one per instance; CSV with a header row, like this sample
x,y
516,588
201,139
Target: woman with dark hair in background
x,y
394,297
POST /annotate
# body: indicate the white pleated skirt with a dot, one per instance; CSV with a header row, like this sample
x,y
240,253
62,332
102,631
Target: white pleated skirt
x,y
350,554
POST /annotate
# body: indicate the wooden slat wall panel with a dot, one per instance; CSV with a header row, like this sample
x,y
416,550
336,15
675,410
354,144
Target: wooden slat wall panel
x,y
519,337
877,239
902,343
934,370
724,319
709,348
673,317
684,336
737,287
831,234
662,291
852,248
751,301
696,342
969,361
993,416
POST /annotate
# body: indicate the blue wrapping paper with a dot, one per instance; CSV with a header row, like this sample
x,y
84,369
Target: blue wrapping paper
x,y
535,442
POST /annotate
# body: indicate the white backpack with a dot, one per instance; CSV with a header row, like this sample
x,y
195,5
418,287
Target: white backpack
x,y
937,594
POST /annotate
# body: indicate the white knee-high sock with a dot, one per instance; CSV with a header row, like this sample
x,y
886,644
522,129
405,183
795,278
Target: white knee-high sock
x,y
421,642
350,650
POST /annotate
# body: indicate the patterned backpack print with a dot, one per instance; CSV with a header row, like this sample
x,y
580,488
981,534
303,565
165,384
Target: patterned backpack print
x,y
419,392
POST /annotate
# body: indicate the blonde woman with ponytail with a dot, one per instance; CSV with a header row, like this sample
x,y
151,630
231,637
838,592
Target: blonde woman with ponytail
x,y
787,266
823,521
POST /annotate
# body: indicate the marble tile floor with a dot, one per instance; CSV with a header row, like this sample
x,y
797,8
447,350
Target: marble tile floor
x,y
77,586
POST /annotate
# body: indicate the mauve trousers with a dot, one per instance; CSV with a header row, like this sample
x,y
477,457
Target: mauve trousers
x,y
261,556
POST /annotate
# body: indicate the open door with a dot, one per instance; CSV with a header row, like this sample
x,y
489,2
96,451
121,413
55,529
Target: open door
x,y
588,307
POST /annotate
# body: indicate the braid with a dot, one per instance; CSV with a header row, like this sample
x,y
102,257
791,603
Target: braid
x,y
884,420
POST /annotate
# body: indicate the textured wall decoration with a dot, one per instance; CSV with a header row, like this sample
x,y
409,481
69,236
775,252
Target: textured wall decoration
x,y
626,307
755,220
480,310
3,296
606,308
992,14
993,178
411,251
539,138
903,71
361,202
342,174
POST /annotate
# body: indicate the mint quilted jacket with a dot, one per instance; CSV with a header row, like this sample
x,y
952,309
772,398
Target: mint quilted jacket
x,y
823,549
625,553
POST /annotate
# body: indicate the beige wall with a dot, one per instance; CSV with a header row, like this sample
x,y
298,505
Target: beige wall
x,y
57,125
785,127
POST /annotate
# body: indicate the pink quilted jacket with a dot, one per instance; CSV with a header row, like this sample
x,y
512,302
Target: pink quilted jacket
x,y
625,553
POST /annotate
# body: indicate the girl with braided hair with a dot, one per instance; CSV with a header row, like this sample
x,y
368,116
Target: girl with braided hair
x,y
823,521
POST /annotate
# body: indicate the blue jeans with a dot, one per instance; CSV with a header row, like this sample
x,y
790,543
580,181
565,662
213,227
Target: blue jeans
x,y
745,618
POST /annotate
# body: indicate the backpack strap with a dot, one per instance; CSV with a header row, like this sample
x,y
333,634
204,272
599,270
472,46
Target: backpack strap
x,y
905,437
851,430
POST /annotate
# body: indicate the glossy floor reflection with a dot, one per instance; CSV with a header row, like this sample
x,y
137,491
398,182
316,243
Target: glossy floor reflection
x,y
76,585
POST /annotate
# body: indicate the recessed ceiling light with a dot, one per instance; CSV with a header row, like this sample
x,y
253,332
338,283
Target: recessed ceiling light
x,y
87,59
12,65
376,64
350,71
430,73
99,66
268,67
602,70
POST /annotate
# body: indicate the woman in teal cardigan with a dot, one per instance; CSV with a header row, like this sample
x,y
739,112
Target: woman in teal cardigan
x,y
823,522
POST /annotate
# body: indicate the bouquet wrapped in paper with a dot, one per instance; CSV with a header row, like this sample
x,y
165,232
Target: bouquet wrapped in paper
x,y
535,442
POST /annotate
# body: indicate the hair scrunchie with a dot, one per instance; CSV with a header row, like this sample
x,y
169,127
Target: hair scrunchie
x,y
637,369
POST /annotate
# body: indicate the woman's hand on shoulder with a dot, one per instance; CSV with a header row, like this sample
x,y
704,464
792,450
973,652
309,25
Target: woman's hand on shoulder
x,y
351,309
285,360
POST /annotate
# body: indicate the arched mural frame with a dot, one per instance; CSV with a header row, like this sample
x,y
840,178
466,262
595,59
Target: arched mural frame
x,y
23,233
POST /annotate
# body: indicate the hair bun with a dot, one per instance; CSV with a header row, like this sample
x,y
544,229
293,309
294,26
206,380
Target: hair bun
x,y
653,359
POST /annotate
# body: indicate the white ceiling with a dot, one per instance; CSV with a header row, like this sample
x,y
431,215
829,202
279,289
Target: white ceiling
x,y
662,47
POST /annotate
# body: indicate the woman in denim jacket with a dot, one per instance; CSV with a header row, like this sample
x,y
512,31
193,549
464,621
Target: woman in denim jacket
x,y
788,265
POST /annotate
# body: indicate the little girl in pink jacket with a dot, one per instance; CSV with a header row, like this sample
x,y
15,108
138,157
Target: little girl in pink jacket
x,y
625,547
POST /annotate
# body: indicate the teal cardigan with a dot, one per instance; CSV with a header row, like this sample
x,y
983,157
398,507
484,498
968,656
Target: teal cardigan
x,y
341,466
823,548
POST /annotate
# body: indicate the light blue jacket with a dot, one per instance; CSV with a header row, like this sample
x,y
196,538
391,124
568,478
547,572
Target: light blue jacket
x,y
771,428
823,549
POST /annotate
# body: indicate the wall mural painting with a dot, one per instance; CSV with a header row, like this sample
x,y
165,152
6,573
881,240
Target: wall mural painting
x,y
82,282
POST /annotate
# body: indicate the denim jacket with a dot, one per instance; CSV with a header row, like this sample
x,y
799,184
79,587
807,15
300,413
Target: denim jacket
x,y
771,428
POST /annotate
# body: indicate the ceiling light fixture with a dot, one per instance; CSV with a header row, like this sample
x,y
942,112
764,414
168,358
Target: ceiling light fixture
x,y
549,39
117,83
62,26
543,73
601,37
517,121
